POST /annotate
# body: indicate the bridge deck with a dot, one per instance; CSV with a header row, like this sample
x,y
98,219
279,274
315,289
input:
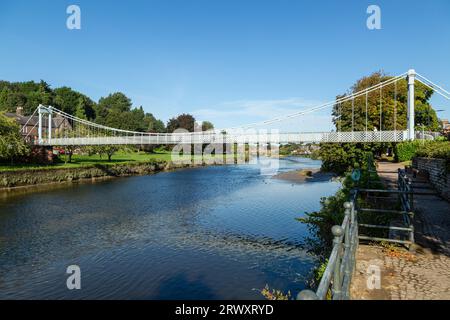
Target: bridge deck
x,y
216,138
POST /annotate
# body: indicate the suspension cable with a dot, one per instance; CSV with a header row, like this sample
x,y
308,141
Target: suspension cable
x,y
26,123
433,84
381,108
366,109
395,106
325,105
435,89
297,114
353,114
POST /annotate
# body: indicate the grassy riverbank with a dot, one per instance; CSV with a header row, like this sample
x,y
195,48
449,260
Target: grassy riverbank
x,y
79,161
37,176
91,167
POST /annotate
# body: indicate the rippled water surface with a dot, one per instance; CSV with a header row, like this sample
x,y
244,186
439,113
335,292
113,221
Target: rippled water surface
x,y
206,233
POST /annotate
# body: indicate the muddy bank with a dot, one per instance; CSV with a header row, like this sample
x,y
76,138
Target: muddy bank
x,y
35,177
305,175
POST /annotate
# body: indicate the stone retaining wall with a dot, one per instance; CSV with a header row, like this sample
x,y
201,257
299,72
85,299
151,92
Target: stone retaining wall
x,y
437,173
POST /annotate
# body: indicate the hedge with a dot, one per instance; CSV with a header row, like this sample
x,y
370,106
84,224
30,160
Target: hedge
x,y
429,149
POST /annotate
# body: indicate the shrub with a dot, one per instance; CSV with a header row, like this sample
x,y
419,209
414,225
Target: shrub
x,y
429,149
434,149
332,208
340,157
405,151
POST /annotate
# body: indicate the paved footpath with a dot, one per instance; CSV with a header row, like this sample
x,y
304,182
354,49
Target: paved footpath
x,y
424,274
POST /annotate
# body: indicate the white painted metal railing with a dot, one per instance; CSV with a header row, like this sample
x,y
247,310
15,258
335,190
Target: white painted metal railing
x,y
212,138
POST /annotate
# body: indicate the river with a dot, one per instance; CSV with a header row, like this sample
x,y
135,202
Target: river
x,y
219,232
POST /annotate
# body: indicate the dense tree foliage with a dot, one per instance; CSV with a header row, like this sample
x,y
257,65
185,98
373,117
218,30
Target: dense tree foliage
x,y
115,110
206,125
24,94
11,143
73,103
183,121
340,157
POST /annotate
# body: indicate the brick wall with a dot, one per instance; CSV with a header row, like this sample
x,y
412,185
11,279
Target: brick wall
x,y
437,173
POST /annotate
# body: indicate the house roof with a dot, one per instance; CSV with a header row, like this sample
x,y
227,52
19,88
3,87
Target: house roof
x,y
57,121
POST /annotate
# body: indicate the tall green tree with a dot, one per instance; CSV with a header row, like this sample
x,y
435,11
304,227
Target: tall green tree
x,y
113,110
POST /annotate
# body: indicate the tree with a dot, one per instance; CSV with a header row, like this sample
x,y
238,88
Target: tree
x,y
184,121
152,124
425,117
11,143
80,111
68,152
340,157
74,103
116,101
116,111
206,125
5,93
110,109
24,94
109,150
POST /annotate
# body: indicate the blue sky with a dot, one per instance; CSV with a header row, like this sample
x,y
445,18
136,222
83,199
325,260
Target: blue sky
x,y
228,61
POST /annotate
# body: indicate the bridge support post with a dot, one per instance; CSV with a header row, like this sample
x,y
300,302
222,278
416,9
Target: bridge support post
x,y
49,124
411,102
40,124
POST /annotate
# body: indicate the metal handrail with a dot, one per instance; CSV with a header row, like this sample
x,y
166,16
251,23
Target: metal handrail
x,y
337,276
338,273
407,200
341,264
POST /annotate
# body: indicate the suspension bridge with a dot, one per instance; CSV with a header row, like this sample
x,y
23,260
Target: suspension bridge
x,y
80,132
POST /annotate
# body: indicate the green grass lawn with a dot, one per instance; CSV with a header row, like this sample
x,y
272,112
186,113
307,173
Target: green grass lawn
x,y
119,157
85,160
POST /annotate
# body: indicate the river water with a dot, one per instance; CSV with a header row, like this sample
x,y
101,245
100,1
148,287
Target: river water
x,y
219,232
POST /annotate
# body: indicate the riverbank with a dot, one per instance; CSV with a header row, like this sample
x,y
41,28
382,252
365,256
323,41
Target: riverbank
x,y
90,167
84,160
37,176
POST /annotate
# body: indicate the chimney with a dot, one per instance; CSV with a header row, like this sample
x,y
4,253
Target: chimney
x,y
19,111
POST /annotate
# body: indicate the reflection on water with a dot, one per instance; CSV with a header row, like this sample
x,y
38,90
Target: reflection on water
x,y
206,233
